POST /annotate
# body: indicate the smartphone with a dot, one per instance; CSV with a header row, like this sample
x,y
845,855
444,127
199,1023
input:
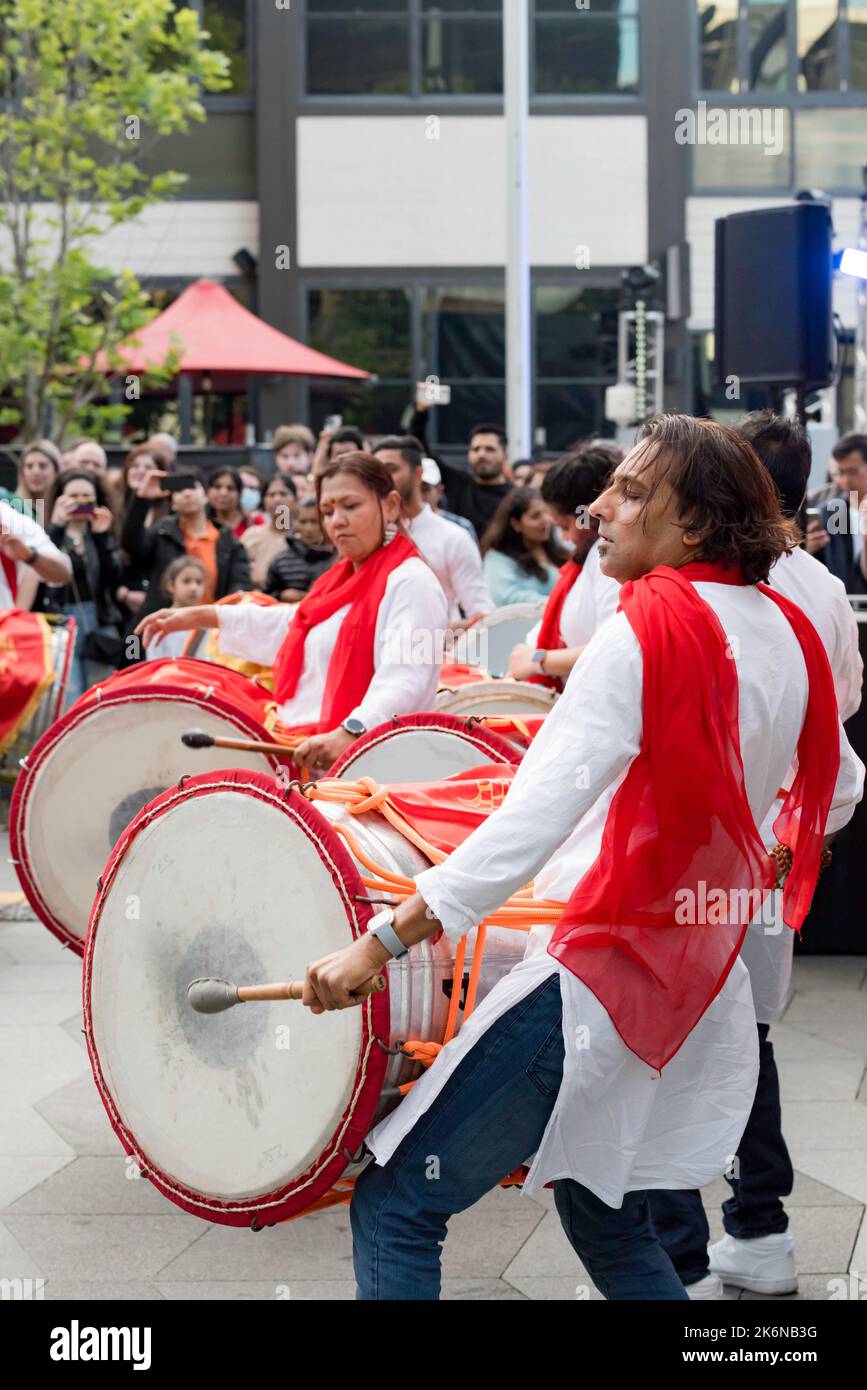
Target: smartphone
x,y
84,509
433,393
178,482
333,423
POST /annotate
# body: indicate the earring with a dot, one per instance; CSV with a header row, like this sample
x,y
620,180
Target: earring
x,y
389,533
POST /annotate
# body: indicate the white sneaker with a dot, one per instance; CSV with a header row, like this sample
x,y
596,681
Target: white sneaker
x,y
764,1265
710,1286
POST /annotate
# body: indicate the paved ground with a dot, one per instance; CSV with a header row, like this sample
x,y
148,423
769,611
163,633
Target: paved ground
x,y
70,1215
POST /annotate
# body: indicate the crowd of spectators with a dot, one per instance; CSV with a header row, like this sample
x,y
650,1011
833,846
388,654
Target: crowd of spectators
x,y
153,530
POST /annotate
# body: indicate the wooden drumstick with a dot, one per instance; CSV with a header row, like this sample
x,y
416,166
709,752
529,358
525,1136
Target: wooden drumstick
x,y
213,995
196,739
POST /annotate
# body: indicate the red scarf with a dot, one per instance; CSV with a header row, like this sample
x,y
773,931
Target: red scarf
x,y
679,830
351,667
10,570
550,636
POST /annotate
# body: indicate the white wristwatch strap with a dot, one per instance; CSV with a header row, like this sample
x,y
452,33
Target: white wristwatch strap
x,y
382,927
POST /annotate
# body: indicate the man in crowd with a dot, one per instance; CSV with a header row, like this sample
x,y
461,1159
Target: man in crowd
x,y
293,447
474,492
836,537
757,1253
306,555
433,491
452,556
90,456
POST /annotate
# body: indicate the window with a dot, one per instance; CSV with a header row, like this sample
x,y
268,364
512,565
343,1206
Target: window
x,y
459,336
829,147
592,51
454,48
779,47
226,22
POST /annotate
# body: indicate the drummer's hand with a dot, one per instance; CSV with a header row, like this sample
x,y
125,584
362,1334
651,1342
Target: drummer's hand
x,y
13,547
321,750
815,538
329,983
521,665
466,623
155,626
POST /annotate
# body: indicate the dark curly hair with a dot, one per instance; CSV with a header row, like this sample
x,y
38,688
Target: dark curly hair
x,y
722,491
501,534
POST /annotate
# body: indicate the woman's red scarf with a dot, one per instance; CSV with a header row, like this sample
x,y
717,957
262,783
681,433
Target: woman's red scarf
x,y
550,637
680,848
351,667
10,569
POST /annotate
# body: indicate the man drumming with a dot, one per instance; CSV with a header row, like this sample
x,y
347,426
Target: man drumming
x,y
621,1054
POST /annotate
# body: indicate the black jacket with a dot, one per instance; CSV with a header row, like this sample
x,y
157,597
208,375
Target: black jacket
x,y
475,502
102,565
839,553
158,545
297,566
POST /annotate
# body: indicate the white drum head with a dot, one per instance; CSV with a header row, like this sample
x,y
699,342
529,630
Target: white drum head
x,y
227,1112
421,748
89,780
505,698
490,642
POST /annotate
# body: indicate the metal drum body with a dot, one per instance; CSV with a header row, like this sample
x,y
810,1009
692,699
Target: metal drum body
x,y
113,751
62,642
489,643
421,748
502,697
248,1116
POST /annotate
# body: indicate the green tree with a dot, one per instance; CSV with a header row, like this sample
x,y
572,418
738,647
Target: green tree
x,y
87,88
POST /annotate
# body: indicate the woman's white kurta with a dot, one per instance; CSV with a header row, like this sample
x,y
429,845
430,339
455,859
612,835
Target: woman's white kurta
x,y
590,602
617,1125
410,627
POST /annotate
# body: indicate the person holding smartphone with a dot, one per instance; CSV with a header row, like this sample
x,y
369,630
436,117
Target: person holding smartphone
x,y
186,531
81,526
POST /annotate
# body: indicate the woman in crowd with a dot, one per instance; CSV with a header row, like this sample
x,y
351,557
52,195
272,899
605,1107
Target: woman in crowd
x,y
38,469
363,645
81,525
187,531
522,559
302,557
224,501
262,543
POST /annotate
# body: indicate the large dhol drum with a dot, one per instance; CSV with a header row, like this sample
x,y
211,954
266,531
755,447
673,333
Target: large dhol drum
x,y
422,748
113,751
503,698
61,643
490,642
250,1116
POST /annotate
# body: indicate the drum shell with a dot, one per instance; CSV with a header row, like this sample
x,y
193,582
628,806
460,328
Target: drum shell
x,y
422,748
62,643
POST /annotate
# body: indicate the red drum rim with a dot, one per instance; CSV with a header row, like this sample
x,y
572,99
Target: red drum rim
x,y
374,1012
44,746
493,746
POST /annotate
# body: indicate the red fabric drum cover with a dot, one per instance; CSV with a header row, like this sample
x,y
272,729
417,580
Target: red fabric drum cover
x,y
422,748
116,748
250,1115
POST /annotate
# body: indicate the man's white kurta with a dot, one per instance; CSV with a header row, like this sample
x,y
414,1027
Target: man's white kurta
x,y
617,1125
769,944
590,602
455,559
15,523
410,627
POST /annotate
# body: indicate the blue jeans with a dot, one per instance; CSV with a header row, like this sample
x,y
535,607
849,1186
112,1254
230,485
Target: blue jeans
x,y
489,1118
84,672
763,1175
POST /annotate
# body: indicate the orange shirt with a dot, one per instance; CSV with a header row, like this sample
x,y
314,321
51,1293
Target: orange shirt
x,y
204,549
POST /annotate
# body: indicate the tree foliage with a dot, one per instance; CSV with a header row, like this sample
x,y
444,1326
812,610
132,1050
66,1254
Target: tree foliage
x,y
87,88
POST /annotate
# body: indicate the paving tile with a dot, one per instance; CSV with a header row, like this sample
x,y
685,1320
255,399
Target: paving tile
x,y
45,1059
547,1252
838,1016
812,1288
560,1288
858,1259
16,1262
79,1290
20,1175
826,972
824,1237
799,1045
315,1247
39,1010
827,1079
104,1248
96,1186
323,1290
40,978
77,1114
23,1132
827,1124
484,1240
842,1171
74,1029
30,943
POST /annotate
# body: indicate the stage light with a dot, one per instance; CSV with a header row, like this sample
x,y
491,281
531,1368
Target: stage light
x,y
854,262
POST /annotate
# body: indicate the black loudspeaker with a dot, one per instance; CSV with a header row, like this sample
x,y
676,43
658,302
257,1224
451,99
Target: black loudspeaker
x,y
774,323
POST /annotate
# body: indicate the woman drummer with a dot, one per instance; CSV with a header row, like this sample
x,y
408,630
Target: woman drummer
x,y
364,644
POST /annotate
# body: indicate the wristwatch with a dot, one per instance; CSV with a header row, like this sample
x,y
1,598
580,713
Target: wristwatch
x,y
539,660
354,727
382,927
32,557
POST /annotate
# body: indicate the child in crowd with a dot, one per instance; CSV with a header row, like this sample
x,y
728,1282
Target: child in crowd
x,y
184,584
